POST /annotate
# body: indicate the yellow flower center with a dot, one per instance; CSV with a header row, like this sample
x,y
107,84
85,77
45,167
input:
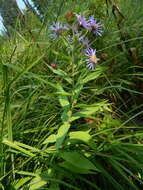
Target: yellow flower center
x,y
93,58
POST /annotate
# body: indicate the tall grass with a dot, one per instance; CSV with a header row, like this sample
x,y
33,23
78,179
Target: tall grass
x,y
66,127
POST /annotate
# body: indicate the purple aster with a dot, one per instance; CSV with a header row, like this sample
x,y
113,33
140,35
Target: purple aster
x,y
58,29
82,21
92,59
96,27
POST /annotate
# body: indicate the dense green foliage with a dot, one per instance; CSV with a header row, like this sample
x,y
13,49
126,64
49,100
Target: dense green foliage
x,y
63,126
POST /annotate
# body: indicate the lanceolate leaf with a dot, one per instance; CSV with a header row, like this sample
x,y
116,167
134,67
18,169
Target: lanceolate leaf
x,y
37,183
75,169
18,148
51,139
83,136
63,99
78,160
21,182
61,73
59,138
80,135
84,113
91,76
62,132
76,92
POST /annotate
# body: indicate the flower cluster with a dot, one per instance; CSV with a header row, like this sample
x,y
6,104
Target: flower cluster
x,y
90,25
96,28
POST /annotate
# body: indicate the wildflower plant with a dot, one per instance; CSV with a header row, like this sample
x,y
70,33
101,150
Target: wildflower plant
x,y
59,130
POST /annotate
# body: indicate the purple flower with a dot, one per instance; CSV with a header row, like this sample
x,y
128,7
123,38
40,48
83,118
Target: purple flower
x,y
57,29
82,21
92,59
96,27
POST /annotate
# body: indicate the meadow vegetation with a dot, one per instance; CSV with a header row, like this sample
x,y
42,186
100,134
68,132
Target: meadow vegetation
x,y
71,117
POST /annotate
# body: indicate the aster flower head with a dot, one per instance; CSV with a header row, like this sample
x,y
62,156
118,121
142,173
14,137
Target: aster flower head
x,y
57,29
96,27
92,59
82,21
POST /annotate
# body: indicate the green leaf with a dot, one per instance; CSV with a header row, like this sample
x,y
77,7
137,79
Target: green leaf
x,y
80,135
61,73
78,160
65,104
31,148
62,99
18,148
76,92
83,136
59,138
37,183
63,93
21,182
51,139
75,169
26,173
62,132
91,76
60,54
84,113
